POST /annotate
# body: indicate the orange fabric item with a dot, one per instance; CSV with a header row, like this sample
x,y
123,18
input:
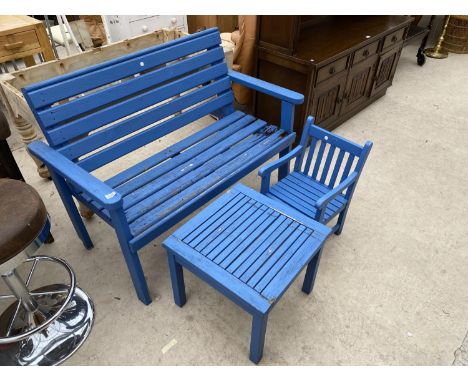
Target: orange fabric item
x,y
244,54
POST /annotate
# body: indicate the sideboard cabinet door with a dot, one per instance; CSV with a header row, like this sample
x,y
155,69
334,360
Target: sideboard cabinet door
x,y
386,69
359,84
327,99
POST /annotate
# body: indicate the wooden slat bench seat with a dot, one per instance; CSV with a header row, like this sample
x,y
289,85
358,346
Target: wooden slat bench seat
x,y
95,116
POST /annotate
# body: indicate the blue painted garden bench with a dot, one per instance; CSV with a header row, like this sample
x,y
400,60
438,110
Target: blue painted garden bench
x,y
324,178
94,116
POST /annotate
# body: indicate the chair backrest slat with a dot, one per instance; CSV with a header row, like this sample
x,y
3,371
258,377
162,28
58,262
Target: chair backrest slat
x,y
330,156
347,168
98,114
312,146
331,152
337,167
318,159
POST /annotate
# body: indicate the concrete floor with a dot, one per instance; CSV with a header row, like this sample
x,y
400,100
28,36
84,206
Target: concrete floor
x,y
391,290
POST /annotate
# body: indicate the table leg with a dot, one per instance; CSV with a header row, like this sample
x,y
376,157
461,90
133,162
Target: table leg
x,y
311,272
177,280
257,340
29,61
28,134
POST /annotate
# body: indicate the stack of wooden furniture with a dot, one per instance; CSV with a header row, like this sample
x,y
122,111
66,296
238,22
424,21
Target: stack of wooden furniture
x,y
23,37
340,63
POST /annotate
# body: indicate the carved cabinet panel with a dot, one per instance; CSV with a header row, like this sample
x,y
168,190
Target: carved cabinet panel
x,y
386,69
327,99
359,83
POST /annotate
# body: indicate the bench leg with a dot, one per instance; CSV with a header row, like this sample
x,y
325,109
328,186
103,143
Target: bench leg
x,y
257,340
177,280
131,257
311,272
67,199
137,275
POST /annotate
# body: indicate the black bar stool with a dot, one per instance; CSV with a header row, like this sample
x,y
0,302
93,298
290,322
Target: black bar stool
x,y
46,325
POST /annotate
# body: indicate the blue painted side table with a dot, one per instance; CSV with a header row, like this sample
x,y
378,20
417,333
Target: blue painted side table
x,y
250,248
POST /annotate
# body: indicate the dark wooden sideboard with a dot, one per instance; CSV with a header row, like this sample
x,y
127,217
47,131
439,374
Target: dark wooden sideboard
x,y
340,63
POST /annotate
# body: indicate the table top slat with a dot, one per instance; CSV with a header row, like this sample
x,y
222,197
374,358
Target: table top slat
x,y
245,236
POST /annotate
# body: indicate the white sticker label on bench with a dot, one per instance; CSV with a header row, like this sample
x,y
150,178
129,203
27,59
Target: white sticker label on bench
x,y
111,195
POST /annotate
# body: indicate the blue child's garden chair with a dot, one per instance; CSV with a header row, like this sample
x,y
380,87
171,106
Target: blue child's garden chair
x,y
323,180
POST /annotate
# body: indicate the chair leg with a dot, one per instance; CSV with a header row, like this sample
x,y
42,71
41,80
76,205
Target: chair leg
x,y
257,340
283,171
311,272
177,280
67,199
340,222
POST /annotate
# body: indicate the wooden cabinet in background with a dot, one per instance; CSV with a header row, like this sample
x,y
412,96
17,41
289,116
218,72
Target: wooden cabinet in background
x,y
340,63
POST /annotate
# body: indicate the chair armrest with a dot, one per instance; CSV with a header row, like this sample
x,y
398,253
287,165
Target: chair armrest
x,y
84,181
265,172
321,203
267,88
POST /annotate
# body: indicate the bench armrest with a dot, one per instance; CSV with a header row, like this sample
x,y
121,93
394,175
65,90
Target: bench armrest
x,y
267,88
81,179
322,202
265,172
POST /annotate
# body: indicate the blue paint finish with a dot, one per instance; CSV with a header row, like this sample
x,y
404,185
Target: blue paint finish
x,y
312,187
96,115
250,248
311,273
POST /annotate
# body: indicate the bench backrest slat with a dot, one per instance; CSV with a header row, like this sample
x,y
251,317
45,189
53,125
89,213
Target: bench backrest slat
x,y
119,149
72,84
128,107
125,127
52,116
108,110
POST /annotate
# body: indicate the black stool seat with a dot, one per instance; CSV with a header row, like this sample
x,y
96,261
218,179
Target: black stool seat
x,y
22,217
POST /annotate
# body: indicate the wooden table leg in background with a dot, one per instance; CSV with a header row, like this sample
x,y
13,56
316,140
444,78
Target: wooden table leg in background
x,y
29,61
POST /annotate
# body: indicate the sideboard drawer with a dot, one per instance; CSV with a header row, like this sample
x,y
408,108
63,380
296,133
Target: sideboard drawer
x,y
364,52
18,42
331,69
393,38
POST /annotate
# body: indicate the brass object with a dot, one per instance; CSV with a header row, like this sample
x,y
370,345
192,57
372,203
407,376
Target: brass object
x,y
438,51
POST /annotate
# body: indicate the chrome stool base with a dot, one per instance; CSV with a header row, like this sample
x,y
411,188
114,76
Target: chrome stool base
x,y
56,342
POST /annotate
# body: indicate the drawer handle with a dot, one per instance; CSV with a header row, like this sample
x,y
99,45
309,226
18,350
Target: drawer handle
x,y
365,53
14,45
331,70
394,38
